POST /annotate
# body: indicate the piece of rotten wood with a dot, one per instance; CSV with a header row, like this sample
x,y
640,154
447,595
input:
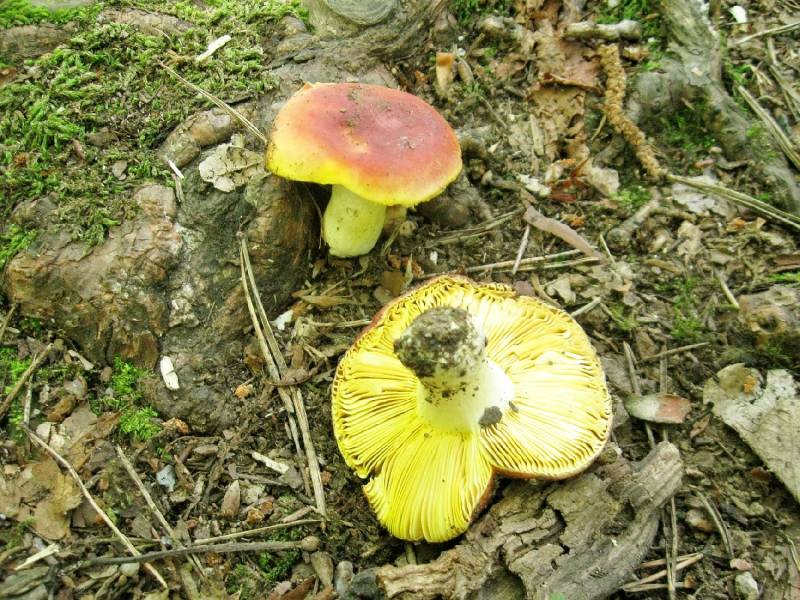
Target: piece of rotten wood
x,y
581,538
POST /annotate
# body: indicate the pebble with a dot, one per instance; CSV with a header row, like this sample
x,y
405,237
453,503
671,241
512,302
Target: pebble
x,y
697,519
365,584
343,577
323,567
746,586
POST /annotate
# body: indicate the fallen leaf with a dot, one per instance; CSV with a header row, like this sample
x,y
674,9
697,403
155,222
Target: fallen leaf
x,y
658,408
766,418
232,165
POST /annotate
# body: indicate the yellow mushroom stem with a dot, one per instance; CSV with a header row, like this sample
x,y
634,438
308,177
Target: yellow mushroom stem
x,y
461,388
351,224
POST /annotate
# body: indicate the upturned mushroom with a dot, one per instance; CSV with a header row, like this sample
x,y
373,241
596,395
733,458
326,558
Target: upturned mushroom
x,y
454,383
375,145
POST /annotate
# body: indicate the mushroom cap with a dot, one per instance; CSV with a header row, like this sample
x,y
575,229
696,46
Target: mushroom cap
x,y
385,145
424,483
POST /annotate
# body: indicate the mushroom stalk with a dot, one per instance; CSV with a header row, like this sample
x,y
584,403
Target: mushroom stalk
x,y
351,224
463,389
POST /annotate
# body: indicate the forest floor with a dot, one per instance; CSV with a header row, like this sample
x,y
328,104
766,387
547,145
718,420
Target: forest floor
x,y
693,284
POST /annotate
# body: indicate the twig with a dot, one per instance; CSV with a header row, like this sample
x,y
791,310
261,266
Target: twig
x,y
240,534
774,31
507,264
121,536
774,129
610,32
277,367
791,96
586,307
683,562
727,291
637,389
470,232
40,555
6,321
35,363
719,523
739,198
341,324
152,505
672,351
523,245
620,236
223,105
309,544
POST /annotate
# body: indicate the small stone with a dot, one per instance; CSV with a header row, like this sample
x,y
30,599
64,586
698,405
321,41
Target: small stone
x,y
365,584
166,478
343,578
231,501
129,569
746,586
696,519
323,567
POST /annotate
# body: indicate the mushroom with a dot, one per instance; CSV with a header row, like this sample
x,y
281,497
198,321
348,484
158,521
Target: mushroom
x,y
377,146
454,383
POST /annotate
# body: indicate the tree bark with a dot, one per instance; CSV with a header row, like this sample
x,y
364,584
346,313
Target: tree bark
x,y
579,539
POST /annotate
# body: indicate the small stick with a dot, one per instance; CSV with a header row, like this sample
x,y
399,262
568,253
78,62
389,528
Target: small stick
x,y
152,505
309,544
277,368
341,324
504,264
240,534
774,129
739,198
121,536
224,106
610,32
6,321
720,524
684,561
774,31
659,562
620,236
672,351
586,307
637,389
523,245
35,363
727,291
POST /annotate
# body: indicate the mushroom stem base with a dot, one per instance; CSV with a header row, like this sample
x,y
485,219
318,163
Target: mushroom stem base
x,y
351,224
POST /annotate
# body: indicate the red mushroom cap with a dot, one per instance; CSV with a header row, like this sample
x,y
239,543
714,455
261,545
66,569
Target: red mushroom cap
x,y
385,145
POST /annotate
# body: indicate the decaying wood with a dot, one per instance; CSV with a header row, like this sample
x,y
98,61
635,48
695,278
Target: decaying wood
x,y
580,539
692,76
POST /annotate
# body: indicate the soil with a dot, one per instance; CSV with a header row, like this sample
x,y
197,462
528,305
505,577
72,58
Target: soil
x,y
694,284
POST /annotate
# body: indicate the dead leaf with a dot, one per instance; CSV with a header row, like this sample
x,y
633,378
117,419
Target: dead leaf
x,y
658,408
766,417
232,165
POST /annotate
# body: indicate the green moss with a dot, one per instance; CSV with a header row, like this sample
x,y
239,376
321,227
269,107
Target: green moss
x,y
645,11
135,421
687,325
790,277
277,566
109,76
632,198
15,239
22,12
467,11
623,317
685,130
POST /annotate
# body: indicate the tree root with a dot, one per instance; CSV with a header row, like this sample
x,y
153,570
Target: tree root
x,y
581,539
